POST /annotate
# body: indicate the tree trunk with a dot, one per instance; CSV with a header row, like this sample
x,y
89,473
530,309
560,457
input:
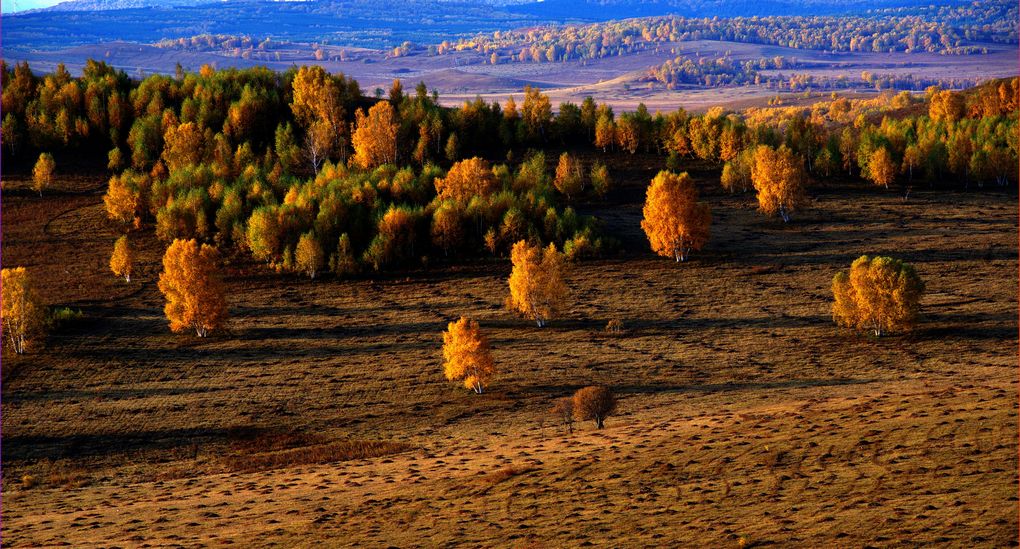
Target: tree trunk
x,y
599,422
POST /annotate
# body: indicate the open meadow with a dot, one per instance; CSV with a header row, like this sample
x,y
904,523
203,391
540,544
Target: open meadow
x,y
320,415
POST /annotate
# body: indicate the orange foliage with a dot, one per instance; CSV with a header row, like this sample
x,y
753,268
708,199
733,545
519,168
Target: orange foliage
x,y
375,139
467,356
881,294
22,315
122,259
467,179
778,176
674,221
190,281
594,403
537,285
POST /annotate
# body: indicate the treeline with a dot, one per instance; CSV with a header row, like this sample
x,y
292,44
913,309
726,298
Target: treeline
x,y
882,33
724,71
303,172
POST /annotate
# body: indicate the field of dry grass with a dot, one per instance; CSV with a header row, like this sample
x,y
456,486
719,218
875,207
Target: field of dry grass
x,y
321,416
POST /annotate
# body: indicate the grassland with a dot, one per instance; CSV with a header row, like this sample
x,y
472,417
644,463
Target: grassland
x,y
321,415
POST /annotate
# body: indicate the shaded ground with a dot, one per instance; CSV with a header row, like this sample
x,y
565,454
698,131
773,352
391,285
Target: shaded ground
x,y
743,411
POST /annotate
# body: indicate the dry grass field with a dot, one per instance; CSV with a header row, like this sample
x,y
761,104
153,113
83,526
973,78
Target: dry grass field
x,y
321,416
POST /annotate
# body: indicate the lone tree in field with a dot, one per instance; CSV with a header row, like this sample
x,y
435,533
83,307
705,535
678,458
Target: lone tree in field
x,y
594,403
880,294
190,281
778,177
42,173
675,222
122,259
309,257
537,285
881,168
22,315
466,355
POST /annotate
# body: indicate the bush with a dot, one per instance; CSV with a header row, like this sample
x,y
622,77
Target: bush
x,y
594,403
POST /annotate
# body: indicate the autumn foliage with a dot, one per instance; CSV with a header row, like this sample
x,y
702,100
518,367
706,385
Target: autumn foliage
x,y
22,314
375,136
594,403
537,281
778,177
42,173
880,294
674,221
190,281
467,179
122,259
467,357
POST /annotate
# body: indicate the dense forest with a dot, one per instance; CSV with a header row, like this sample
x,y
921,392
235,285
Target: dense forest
x,y
302,171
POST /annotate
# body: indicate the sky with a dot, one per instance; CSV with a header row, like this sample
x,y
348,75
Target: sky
x,y
10,6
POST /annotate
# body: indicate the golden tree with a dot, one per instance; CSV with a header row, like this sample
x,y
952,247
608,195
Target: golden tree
x,y
601,181
467,179
569,178
308,256
190,282
537,281
448,226
466,355
375,136
42,173
594,403
123,258
674,221
124,199
881,168
605,132
22,314
778,177
880,294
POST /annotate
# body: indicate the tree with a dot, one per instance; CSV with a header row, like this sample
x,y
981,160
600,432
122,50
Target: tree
x,y
881,294
123,257
563,409
674,221
594,403
467,179
42,173
569,178
601,182
190,282
22,314
605,132
778,177
881,168
466,355
375,136
308,256
448,226
125,197
452,148
344,263
537,285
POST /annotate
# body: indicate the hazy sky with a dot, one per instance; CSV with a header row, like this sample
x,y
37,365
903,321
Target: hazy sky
x,y
8,6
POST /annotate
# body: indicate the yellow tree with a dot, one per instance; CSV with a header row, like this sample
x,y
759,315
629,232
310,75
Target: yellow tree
x,y
124,199
778,177
467,357
22,314
594,403
538,287
123,258
308,256
466,180
42,173
190,282
605,132
674,221
375,136
880,294
318,99
569,178
448,226
881,168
